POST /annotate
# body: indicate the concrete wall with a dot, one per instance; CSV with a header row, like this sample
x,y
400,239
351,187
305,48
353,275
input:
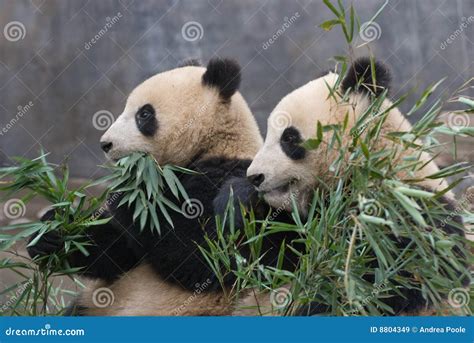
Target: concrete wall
x,y
53,63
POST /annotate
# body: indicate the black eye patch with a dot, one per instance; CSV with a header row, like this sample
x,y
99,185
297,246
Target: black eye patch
x,y
146,120
290,141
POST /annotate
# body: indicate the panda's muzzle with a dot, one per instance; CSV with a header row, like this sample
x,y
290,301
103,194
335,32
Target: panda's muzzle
x,y
106,146
256,179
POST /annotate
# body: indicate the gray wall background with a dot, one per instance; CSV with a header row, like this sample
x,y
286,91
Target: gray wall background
x,y
67,83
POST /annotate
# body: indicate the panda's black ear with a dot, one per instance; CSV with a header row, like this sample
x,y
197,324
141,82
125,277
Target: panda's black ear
x,y
190,62
359,77
224,74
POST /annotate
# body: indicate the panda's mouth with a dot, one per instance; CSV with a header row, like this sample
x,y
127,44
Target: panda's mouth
x,y
280,189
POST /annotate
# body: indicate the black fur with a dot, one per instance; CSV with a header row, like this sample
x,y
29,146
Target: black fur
x,y
224,74
359,77
242,192
109,252
119,245
290,142
146,120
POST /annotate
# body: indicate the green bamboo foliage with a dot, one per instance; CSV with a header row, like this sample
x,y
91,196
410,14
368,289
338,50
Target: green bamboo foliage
x,y
350,234
140,184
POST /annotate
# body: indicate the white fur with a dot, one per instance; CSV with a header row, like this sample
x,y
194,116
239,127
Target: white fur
x,y
302,109
192,119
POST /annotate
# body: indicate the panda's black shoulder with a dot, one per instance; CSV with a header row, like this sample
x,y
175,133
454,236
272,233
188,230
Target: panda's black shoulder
x,y
211,175
221,166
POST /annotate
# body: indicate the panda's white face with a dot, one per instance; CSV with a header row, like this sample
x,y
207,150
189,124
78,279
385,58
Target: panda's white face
x,y
283,168
183,113
161,114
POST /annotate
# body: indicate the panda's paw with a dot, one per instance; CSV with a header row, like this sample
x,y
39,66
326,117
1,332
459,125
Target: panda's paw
x,y
241,192
48,243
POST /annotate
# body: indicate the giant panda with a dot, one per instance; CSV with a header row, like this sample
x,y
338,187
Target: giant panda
x,y
283,168
192,117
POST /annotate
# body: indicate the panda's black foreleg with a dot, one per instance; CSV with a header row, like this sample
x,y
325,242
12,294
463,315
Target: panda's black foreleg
x,y
109,254
74,309
242,192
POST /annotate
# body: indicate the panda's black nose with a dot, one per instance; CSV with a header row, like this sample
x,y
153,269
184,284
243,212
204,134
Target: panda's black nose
x,y
106,146
256,179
